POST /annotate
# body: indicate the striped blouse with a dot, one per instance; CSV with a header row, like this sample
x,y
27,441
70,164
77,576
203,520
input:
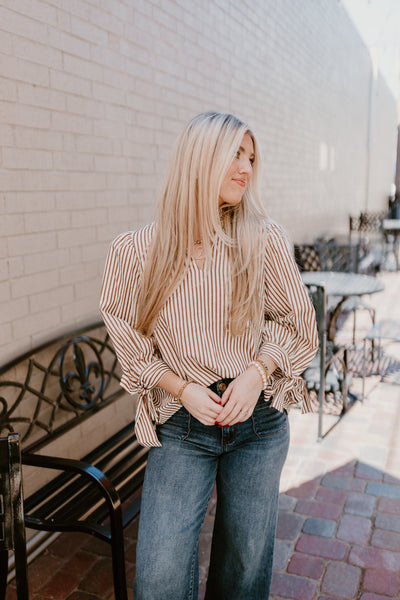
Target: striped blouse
x,y
191,338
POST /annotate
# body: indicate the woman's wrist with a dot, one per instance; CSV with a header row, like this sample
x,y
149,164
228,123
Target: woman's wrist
x,y
264,366
182,388
261,378
262,370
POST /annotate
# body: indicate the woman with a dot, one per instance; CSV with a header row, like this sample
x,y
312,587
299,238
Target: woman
x,y
212,327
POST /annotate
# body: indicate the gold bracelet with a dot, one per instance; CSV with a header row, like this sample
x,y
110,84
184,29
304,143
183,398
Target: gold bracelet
x,y
181,390
262,363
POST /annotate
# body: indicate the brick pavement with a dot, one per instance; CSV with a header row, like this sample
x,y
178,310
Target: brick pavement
x,y
338,534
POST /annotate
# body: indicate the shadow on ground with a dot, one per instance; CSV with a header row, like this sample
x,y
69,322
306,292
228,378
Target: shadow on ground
x,y
338,536
386,365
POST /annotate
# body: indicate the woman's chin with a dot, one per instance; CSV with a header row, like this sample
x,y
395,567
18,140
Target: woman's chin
x,y
230,203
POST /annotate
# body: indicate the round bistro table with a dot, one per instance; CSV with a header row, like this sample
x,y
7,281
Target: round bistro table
x,y
342,286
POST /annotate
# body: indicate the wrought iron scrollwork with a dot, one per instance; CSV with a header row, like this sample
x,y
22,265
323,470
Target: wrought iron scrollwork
x,y
3,411
52,387
83,386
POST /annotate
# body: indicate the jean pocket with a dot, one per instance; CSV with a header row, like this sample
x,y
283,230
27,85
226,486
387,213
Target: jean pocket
x,y
176,427
268,421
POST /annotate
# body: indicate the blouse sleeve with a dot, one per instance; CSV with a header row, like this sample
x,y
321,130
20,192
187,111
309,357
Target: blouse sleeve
x,y
141,368
290,335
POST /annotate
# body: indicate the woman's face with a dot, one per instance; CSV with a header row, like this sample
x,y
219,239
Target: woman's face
x,y
238,175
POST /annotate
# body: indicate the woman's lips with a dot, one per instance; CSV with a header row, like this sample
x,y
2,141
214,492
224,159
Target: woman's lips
x,y
241,182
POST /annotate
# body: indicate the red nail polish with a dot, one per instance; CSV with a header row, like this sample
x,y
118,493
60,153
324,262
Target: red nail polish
x,y
239,422
216,423
220,426
220,402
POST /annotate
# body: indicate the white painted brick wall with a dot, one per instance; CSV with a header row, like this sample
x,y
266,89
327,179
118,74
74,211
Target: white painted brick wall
x,y
93,95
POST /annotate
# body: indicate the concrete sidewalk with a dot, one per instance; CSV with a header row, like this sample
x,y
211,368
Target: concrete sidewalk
x,y
338,533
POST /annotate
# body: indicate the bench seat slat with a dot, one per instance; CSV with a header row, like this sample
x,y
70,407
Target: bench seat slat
x,y
78,497
95,457
73,500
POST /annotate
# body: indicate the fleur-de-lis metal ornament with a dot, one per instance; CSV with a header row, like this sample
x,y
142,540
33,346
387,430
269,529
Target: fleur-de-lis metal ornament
x,y
82,386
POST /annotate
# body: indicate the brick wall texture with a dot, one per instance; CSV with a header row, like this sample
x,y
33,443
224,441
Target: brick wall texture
x,y
94,92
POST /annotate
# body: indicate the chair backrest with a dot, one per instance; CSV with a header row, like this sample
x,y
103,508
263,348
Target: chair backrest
x,y
327,255
337,256
12,525
367,222
371,221
317,294
306,257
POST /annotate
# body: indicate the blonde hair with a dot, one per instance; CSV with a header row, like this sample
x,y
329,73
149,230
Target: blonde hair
x,y
189,210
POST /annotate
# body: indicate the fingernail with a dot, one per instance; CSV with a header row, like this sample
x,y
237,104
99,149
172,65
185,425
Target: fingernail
x,y
220,426
227,426
216,423
239,422
220,402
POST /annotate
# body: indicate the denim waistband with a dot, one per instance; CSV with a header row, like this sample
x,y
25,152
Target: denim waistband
x,y
220,386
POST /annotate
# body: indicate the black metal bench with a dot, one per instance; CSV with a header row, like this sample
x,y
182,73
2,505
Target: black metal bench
x,y
12,526
46,393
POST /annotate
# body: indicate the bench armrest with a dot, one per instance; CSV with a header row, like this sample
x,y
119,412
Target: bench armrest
x,y
82,468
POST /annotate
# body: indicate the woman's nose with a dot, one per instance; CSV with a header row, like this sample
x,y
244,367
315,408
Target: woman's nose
x,y
245,166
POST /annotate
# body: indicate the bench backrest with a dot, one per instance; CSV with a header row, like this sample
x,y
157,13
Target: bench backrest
x,y
57,385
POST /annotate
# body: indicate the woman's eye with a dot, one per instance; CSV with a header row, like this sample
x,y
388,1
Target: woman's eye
x,y
237,154
252,161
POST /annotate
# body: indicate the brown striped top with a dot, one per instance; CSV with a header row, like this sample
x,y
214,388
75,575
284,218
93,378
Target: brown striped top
x,y
191,337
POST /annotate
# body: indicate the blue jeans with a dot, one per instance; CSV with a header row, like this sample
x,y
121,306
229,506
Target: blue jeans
x,y
246,461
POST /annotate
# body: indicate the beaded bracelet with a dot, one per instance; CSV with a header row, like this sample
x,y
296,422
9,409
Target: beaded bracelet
x,y
181,390
261,372
263,364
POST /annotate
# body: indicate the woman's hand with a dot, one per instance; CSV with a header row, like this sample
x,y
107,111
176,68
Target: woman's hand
x,y
240,397
202,403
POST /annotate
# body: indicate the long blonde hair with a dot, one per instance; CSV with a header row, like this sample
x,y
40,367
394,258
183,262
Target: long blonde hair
x,y
189,210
